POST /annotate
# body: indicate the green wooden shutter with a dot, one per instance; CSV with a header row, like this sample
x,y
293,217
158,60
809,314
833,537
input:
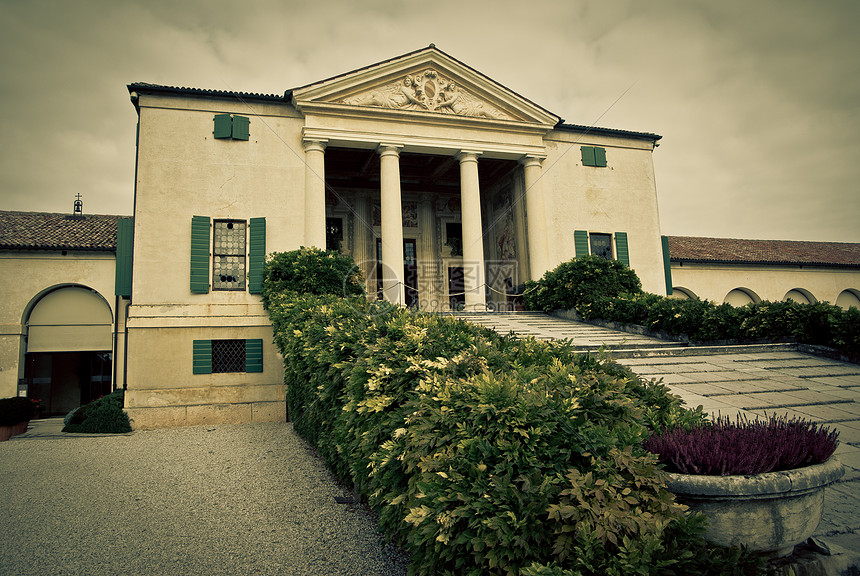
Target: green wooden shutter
x,y
600,157
241,130
667,265
256,255
580,242
254,355
587,155
223,126
621,252
200,254
124,254
202,357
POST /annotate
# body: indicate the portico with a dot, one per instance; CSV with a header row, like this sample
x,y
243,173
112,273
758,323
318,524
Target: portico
x,y
438,230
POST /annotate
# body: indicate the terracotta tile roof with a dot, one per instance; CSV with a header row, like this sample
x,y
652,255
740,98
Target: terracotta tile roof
x,y
736,251
48,231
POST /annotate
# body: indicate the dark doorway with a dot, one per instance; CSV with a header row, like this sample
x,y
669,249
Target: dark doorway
x,y
456,288
65,380
333,234
410,272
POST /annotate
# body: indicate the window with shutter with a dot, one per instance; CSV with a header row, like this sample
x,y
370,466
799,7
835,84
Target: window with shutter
x,y
227,356
223,126
228,255
254,355
232,127
256,255
667,268
580,242
622,254
124,254
593,156
241,128
601,245
200,254
202,357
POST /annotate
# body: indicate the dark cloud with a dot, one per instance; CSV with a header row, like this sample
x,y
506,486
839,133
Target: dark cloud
x,y
758,102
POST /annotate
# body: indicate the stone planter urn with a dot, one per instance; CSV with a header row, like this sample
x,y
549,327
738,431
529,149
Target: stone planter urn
x,y
769,513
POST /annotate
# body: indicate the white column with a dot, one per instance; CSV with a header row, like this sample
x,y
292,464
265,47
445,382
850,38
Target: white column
x,y
391,212
473,237
429,266
363,238
315,193
536,218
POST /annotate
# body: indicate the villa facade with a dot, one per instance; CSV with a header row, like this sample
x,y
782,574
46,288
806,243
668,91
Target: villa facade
x,y
448,190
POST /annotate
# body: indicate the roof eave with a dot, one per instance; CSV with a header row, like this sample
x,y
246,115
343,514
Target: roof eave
x,y
762,263
608,131
157,89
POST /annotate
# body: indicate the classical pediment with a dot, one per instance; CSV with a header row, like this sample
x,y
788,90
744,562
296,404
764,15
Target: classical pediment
x,y
427,81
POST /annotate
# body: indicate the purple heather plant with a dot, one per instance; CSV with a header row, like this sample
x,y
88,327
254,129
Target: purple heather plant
x,y
743,447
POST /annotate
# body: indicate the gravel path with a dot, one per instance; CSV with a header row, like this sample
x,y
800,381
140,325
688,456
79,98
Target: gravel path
x,y
208,500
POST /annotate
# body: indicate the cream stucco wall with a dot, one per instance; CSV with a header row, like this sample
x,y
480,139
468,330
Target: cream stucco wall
x,y
621,197
183,171
31,274
715,281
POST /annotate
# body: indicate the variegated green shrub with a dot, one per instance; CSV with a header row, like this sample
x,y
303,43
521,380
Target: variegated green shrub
x,y
477,450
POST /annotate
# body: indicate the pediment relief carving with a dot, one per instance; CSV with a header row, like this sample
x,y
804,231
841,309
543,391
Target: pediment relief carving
x,y
428,91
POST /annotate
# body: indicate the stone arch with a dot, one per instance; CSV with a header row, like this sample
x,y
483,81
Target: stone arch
x,y
682,293
848,298
741,297
800,295
68,347
68,317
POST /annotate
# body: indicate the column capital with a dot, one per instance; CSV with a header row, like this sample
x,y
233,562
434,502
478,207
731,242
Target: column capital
x,y
314,144
467,155
529,161
388,149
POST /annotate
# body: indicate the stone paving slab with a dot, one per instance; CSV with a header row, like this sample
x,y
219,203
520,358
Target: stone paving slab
x,y
545,327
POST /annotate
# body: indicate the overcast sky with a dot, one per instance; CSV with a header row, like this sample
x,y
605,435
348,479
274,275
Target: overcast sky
x,y
758,102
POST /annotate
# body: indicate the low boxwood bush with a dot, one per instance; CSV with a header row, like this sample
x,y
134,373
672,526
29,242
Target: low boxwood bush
x,y
102,416
15,410
488,454
742,447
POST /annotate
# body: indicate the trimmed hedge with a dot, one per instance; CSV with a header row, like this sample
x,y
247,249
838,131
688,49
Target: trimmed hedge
x,y
701,321
102,416
15,410
485,454
607,290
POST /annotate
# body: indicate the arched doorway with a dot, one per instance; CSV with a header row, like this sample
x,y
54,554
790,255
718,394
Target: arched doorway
x,y
68,354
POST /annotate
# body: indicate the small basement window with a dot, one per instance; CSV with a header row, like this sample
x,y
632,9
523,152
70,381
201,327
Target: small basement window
x,y
228,356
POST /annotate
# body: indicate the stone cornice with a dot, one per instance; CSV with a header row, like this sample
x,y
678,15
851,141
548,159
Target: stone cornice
x,y
420,144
